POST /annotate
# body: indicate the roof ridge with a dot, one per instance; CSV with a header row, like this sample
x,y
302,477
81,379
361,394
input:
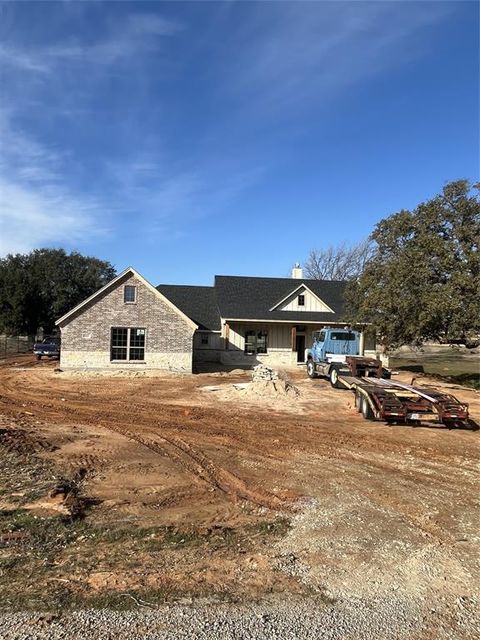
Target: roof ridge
x,y
293,280
196,286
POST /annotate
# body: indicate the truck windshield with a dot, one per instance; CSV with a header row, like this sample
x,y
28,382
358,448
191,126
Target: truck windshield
x,y
342,336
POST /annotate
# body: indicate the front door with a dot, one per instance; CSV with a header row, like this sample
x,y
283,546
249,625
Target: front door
x,y
300,348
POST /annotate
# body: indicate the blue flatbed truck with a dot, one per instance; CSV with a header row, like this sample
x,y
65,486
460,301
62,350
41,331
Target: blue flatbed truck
x,y
336,352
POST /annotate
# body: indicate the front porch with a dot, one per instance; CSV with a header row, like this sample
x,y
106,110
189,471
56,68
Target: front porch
x,y
276,344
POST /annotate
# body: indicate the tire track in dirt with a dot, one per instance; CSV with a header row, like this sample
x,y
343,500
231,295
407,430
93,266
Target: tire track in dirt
x,y
202,468
311,433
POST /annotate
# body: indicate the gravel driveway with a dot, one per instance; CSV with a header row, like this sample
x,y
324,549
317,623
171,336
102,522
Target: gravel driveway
x,y
292,618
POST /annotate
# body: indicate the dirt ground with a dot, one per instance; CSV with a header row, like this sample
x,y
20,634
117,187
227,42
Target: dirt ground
x,y
194,486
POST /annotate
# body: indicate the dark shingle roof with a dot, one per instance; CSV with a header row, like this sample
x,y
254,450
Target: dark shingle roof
x,y
237,297
252,298
198,303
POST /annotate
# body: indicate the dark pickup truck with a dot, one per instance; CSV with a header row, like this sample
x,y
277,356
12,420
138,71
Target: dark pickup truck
x,y
49,347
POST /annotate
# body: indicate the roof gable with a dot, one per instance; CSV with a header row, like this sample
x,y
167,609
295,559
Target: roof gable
x,y
110,285
252,298
312,302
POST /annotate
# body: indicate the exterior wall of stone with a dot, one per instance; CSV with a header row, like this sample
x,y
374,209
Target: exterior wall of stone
x,y
180,362
286,358
86,335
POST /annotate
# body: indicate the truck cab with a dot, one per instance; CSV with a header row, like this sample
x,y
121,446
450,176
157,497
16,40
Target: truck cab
x,y
336,352
333,345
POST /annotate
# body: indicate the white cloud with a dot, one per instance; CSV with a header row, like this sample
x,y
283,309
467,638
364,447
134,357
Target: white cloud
x,y
37,208
290,56
31,218
171,197
38,204
137,34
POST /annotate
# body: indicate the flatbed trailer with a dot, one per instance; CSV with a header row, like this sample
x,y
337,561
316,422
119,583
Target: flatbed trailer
x,y
379,399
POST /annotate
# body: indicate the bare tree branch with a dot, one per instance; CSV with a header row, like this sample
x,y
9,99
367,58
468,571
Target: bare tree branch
x,y
341,262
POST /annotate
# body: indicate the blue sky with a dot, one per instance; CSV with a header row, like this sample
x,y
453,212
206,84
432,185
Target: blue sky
x,y
189,139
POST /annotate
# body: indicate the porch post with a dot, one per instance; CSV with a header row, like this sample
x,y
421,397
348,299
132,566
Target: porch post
x,y
294,338
227,336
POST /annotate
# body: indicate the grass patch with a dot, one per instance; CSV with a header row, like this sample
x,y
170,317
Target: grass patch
x,y
448,366
49,567
47,559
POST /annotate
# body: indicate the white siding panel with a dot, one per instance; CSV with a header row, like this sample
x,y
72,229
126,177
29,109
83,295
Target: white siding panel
x,y
312,303
279,335
214,340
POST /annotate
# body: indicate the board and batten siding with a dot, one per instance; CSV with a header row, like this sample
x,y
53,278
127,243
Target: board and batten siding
x,y
279,344
279,336
211,352
312,303
215,340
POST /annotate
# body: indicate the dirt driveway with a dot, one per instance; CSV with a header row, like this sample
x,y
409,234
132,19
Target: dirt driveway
x,y
315,499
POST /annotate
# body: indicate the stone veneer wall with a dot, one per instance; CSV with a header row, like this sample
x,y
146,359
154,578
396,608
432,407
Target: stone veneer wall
x,y
86,335
287,358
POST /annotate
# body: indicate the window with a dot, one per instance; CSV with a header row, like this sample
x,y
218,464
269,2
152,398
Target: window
x,y
137,344
343,335
301,300
204,338
255,342
129,293
127,344
119,342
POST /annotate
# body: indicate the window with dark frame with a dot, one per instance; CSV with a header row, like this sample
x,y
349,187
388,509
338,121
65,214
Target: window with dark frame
x,y
127,344
129,293
119,343
301,300
204,338
255,342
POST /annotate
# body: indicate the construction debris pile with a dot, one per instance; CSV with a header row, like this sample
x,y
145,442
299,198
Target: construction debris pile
x,y
267,386
262,372
267,381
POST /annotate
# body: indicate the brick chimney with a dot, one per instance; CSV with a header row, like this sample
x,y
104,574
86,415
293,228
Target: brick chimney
x,y
297,271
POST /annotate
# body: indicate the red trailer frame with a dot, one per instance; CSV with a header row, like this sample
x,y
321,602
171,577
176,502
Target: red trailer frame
x,y
379,399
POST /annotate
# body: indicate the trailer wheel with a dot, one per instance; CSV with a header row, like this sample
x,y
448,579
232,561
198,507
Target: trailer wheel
x,y
334,378
311,369
367,412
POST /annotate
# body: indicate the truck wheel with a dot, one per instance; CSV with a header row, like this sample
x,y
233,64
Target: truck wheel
x,y
311,369
334,378
367,412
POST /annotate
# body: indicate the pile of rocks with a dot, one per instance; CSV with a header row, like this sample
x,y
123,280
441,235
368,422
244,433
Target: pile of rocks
x,y
261,373
269,382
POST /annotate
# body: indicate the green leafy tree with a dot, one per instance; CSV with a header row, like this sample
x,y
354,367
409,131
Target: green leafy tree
x,y
39,287
423,280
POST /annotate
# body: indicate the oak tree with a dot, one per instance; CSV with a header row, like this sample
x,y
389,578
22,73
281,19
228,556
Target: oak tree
x,y
423,279
39,287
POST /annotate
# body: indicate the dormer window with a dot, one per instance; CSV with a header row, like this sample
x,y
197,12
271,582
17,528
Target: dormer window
x,y
129,294
301,300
